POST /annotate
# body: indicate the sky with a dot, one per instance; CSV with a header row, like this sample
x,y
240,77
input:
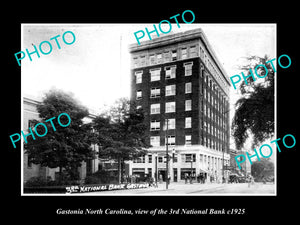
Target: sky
x,y
96,67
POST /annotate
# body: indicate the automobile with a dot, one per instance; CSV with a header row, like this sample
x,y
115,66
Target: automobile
x,y
234,178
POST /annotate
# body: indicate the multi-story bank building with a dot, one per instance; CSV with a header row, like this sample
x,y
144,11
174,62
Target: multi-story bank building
x,y
184,92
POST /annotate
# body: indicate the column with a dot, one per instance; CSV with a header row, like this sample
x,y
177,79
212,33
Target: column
x,y
179,163
171,170
197,165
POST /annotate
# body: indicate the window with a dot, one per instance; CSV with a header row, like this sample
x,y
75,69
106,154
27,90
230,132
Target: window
x,y
171,140
170,90
149,158
155,108
155,125
155,74
175,159
167,56
208,96
188,68
152,59
188,122
188,105
174,55
143,61
138,76
135,62
170,107
190,157
188,87
193,51
155,92
170,72
29,163
139,160
201,53
188,139
155,141
159,58
183,53
171,124
139,94
160,159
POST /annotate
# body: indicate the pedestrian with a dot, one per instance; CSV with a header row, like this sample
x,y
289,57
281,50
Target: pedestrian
x,y
151,182
186,177
155,182
252,179
248,180
160,178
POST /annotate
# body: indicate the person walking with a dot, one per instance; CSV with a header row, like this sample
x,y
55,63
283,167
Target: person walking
x,y
186,177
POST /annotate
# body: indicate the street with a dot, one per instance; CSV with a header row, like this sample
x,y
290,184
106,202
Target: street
x,y
180,188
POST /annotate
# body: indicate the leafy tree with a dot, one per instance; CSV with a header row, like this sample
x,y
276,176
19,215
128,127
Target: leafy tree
x,y
262,169
121,135
255,110
66,147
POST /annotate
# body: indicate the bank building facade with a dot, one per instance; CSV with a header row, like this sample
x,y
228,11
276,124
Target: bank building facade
x,y
184,92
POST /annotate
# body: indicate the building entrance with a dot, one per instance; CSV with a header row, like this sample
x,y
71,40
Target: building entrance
x,y
161,175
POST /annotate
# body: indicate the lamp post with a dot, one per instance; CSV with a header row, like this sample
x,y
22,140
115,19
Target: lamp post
x,y
223,148
167,154
191,176
156,169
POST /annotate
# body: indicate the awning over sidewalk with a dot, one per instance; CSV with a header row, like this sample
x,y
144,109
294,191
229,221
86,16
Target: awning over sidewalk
x,y
203,171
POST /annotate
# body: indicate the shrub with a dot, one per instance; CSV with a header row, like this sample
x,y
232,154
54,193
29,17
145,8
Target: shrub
x,y
101,177
38,181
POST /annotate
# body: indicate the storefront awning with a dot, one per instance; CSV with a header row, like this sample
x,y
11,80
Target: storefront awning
x,y
138,169
203,171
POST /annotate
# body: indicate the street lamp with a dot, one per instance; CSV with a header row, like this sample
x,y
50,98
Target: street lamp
x,y
167,154
156,168
223,150
191,177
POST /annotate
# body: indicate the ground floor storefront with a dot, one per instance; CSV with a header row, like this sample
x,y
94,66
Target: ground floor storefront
x,y
196,162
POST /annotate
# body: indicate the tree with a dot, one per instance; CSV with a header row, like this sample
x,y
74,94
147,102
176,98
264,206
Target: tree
x,y
262,169
255,110
67,147
121,135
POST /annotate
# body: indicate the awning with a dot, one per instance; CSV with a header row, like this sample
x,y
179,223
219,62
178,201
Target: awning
x,y
138,169
203,171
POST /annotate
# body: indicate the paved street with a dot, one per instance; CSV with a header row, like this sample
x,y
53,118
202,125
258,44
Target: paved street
x,y
180,188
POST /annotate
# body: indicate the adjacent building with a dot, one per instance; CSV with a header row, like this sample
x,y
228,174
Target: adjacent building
x,y
245,166
32,170
184,92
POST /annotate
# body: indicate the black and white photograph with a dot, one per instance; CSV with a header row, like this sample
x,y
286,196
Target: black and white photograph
x,y
144,109
141,112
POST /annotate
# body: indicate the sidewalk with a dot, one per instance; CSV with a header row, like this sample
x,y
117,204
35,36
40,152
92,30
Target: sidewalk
x,y
180,188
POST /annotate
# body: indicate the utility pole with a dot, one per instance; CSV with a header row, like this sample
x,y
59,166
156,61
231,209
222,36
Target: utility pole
x,y
223,176
167,154
156,169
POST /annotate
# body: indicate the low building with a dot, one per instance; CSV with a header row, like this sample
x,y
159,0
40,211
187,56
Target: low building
x,y
245,166
32,170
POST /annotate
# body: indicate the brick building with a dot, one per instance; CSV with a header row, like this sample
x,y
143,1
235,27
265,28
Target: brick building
x,y
178,78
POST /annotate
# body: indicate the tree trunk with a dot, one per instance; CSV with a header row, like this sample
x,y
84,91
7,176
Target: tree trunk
x,y
119,170
60,175
122,170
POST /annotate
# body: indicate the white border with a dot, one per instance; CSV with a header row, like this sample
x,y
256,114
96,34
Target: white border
x,y
186,195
